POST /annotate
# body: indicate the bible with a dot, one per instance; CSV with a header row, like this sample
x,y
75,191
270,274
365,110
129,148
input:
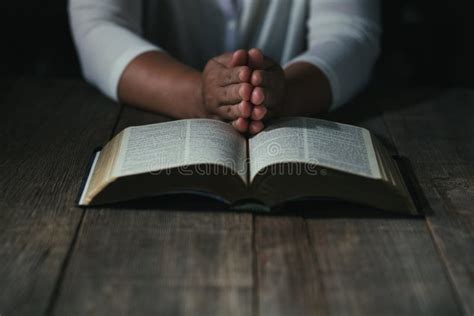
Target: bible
x,y
291,159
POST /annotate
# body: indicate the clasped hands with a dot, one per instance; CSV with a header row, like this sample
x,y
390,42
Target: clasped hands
x,y
244,88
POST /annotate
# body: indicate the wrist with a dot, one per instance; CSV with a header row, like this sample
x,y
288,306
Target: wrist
x,y
196,104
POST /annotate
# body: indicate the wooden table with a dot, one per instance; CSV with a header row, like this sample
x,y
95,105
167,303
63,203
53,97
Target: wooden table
x,y
190,257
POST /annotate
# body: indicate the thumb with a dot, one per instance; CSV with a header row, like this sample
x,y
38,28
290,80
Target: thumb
x,y
258,61
239,58
255,58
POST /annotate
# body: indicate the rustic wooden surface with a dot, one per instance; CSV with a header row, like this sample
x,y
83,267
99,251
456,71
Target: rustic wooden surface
x,y
171,256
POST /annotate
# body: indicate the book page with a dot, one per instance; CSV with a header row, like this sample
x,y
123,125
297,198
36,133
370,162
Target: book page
x,y
314,141
161,146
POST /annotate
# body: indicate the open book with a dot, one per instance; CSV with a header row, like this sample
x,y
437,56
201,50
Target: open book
x,y
293,158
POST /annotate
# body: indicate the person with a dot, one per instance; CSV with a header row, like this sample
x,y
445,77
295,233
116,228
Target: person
x,y
241,61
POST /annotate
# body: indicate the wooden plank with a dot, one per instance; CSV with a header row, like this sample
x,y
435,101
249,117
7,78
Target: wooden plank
x,y
288,274
48,128
349,265
380,266
437,135
165,256
345,263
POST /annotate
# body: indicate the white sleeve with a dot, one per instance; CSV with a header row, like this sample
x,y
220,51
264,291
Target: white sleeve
x,y
107,37
343,41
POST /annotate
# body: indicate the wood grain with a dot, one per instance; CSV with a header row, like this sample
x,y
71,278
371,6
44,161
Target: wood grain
x,y
166,256
48,128
437,135
288,274
380,266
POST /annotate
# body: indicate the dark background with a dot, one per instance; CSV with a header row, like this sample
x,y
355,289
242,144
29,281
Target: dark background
x,y
424,43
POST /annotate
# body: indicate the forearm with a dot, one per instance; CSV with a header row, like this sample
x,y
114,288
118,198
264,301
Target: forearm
x,y
156,82
308,90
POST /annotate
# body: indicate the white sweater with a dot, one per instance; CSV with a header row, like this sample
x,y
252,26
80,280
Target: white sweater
x,y
341,37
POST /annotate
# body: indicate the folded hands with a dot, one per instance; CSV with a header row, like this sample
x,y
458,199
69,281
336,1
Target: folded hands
x,y
245,88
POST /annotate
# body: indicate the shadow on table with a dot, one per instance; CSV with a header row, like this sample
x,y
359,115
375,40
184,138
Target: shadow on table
x,y
308,208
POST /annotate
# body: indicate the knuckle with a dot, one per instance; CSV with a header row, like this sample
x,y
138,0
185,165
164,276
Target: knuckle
x,y
242,69
229,111
237,89
236,74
